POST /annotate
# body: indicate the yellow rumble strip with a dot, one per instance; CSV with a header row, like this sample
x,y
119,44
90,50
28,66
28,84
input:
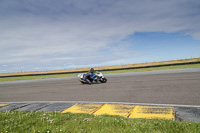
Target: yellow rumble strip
x,y
1,105
151,112
115,109
129,111
83,108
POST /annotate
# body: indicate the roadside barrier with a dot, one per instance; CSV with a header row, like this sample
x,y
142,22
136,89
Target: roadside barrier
x,y
152,66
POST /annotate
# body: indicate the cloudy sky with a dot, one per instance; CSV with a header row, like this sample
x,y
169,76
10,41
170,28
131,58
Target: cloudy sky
x,y
62,34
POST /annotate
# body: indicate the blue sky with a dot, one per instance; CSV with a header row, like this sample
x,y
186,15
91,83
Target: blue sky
x,y
40,35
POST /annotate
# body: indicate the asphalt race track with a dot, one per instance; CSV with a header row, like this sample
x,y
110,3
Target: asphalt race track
x,y
180,87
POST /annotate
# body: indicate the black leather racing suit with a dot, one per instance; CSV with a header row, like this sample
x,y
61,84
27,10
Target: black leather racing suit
x,y
89,77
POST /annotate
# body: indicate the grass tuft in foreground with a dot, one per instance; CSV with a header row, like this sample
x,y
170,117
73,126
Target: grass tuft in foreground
x,y
53,122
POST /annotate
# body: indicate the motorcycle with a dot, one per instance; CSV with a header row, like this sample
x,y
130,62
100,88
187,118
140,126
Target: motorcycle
x,y
98,77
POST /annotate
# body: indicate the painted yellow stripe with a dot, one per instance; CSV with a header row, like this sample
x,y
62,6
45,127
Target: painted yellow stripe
x,y
83,108
1,105
151,112
114,109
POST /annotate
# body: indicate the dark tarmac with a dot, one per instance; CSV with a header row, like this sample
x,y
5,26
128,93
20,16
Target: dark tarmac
x,y
150,87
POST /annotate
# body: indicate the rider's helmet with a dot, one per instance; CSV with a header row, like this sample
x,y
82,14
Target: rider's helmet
x,y
92,70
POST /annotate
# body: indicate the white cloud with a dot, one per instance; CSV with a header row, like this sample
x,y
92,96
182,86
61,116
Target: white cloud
x,y
78,31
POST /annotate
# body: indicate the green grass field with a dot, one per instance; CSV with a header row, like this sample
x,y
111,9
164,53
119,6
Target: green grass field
x,y
106,72
54,122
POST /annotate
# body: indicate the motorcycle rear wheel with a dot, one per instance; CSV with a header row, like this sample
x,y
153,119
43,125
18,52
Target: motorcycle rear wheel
x,y
82,82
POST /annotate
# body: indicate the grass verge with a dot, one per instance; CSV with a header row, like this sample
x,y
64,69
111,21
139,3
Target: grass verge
x,y
155,68
105,72
54,122
37,77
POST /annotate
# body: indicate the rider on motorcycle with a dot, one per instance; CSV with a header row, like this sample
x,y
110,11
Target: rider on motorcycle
x,y
89,77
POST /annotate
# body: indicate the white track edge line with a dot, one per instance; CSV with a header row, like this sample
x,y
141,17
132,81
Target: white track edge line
x,y
147,104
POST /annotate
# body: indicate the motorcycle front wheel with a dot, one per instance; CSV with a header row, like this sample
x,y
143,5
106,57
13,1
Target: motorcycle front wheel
x,y
103,80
